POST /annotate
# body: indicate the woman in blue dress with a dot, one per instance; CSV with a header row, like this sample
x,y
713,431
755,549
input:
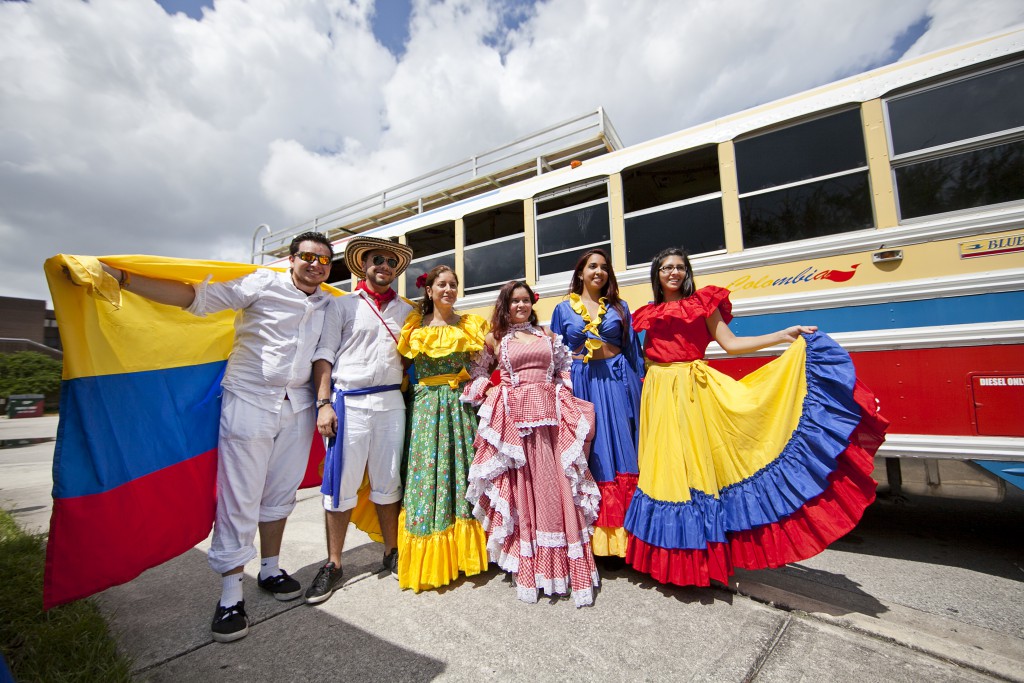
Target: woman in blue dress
x,y
606,370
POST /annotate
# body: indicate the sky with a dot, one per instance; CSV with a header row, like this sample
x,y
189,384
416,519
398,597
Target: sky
x,y
176,128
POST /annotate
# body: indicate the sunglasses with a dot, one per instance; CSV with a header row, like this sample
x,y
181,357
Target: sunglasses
x,y
379,260
309,257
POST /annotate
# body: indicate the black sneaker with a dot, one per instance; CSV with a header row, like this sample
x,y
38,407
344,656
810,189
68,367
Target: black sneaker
x,y
230,623
390,563
282,586
327,580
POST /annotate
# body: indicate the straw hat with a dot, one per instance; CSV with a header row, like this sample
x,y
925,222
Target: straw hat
x,y
358,246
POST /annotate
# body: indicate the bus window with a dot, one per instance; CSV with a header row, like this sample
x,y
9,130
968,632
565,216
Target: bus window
x,y
430,247
959,145
494,252
806,180
341,276
570,221
673,201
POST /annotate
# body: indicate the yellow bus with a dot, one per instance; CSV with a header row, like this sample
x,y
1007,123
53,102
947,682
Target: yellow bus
x,y
887,208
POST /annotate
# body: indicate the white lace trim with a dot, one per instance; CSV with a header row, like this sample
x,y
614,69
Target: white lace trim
x,y
585,492
561,360
526,594
557,585
509,563
496,535
475,391
526,428
525,548
575,551
584,597
550,539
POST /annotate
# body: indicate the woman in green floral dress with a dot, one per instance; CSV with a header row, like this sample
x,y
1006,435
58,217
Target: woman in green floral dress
x,y
437,534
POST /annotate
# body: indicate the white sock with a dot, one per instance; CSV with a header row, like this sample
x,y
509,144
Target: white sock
x,y
231,589
268,567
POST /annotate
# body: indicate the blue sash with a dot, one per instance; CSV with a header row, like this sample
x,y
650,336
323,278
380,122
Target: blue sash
x,y
335,456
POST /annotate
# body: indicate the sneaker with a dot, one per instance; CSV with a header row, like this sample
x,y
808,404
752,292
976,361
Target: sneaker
x,y
327,580
390,563
230,623
282,586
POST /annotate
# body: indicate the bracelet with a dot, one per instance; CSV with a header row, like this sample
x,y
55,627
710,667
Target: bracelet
x,y
125,280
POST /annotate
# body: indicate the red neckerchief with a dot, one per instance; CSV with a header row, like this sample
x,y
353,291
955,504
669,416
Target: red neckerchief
x,y
380,299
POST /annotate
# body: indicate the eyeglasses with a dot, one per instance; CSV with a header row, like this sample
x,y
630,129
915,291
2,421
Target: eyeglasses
x,y
672,269
309,257
379,260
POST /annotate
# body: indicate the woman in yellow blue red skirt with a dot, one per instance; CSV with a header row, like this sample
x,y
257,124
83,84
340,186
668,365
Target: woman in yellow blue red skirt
x,y
750,473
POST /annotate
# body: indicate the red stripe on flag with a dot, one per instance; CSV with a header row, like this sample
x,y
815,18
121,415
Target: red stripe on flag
x,y
109,538
315,467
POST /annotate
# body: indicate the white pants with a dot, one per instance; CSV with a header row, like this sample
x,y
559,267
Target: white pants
x,y
262,457
373,444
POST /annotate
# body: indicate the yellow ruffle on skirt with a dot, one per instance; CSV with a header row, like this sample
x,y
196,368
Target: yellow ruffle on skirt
x,y
426,562
700,429
609,541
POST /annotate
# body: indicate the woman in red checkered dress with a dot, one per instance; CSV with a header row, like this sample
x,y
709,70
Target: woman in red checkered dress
x,y
529,483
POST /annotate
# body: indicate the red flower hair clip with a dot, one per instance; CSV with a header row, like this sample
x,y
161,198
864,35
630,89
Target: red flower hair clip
x,y
536,297
421,281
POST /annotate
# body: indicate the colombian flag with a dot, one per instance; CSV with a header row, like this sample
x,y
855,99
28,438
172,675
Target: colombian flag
x,y
135,464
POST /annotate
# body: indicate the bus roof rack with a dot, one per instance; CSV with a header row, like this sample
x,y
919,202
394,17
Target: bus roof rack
x,y
576,139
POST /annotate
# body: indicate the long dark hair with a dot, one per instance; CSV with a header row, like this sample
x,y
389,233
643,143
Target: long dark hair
x,y
501,320
686,290
427,305
610,291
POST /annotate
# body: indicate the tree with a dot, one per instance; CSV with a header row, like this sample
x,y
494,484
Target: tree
x,y
28,372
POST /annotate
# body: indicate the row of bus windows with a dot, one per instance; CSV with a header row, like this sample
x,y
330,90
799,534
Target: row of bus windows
x,y
956,145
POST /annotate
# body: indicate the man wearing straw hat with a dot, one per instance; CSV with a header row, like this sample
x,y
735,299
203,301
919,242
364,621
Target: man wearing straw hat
x,y
357,372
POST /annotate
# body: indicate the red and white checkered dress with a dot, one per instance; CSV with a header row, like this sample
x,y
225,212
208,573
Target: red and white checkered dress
x,y
529,481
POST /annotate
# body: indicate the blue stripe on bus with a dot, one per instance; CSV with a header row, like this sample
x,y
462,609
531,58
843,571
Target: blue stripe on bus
x,y
957,310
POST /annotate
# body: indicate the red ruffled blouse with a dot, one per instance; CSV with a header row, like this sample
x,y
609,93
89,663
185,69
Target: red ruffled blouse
x,y
677,330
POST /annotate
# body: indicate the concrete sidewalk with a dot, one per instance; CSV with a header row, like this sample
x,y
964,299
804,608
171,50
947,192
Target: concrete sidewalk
x,y
476,629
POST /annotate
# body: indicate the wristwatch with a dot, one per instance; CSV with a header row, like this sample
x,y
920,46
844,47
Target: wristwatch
x,y
321,402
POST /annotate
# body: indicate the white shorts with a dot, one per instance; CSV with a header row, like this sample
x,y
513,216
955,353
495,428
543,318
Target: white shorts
x,y
262,457
373,444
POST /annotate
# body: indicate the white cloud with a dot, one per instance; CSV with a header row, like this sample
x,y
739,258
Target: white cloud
x,y
123,129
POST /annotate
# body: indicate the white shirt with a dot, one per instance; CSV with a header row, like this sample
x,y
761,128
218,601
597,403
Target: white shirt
x,y
362,350
276,332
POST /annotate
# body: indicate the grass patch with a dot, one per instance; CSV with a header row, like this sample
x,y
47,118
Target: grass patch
x,y
68,643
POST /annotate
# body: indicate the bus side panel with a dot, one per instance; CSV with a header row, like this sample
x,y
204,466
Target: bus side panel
x,y
936,391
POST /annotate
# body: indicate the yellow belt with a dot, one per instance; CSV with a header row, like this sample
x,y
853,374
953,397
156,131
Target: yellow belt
x,y
696,372
451,379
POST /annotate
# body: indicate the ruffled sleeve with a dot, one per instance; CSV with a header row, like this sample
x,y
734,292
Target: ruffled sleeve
x,y
480,373
712,298
437,342
701,304
412,323
561,360
645,315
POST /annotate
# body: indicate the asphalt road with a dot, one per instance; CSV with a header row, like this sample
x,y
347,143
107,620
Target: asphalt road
x,y
930,589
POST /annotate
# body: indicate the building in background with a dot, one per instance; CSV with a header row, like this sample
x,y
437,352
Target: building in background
x,y
28,325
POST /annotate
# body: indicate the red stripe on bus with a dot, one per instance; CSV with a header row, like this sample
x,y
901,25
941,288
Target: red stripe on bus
x,y
920,391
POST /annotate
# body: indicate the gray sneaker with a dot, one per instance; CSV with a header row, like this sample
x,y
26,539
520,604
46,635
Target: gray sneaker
x,y
390,563
327,580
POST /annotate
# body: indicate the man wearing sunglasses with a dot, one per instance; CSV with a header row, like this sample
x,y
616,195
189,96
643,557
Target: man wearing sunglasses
x,y
267,411
357,372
